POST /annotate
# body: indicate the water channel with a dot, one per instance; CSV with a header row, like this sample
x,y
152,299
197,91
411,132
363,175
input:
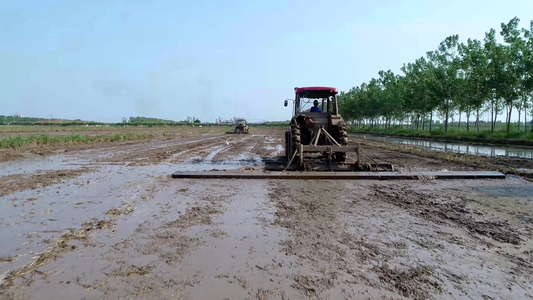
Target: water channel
x,y
459,147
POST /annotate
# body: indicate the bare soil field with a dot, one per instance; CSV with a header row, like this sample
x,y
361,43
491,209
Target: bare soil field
x,y
106,221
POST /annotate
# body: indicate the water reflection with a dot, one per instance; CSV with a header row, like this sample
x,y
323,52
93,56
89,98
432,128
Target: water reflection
x,y
457,147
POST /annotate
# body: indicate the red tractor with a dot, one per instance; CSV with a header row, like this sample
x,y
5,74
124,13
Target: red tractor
x,y
317,132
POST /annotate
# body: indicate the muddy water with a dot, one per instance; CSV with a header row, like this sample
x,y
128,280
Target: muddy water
x,y
40,163
35,219
244,255
465,148
31,220
229,250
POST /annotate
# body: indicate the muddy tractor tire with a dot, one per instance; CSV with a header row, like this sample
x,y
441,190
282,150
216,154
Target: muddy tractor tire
x,y
295,141
241,130
342,134
287,145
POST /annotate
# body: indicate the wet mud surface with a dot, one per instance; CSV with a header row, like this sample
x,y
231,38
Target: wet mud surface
x,y
107,221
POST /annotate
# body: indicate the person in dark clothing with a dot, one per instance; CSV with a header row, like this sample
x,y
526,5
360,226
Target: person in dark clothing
x,y
315,107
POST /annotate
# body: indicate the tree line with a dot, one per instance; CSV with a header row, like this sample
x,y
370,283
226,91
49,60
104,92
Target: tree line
x,y
4,120
19,120
458,78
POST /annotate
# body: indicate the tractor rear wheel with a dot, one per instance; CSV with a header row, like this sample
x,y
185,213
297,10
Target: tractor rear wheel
x,y
296,140
287,145
342,135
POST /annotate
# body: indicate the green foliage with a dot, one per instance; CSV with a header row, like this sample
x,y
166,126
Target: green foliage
x,y
14,143
271,124
149,121
451,133
4,120
44,139
17,120
483,134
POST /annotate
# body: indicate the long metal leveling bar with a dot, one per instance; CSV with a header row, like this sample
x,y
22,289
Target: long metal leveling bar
x,y
343,175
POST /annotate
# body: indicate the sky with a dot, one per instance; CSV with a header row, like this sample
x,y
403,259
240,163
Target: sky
x,y
104,60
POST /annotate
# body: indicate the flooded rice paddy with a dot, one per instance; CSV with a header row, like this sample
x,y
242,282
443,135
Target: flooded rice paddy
x,y
458,147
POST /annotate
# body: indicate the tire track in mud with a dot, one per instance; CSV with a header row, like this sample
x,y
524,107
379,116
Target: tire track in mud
x,y
235,150
509,245
368,247
238,149
473,246
164,152
256,148
441,209
222,147
194,151
341,264
209,152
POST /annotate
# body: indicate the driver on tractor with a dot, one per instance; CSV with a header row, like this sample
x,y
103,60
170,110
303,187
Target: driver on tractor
x,y
315,107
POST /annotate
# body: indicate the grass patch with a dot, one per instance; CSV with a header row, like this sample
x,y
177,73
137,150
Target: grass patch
x,y
451,133
45,139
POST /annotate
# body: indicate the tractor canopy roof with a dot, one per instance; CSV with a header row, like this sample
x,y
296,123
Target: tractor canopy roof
x,y
316,91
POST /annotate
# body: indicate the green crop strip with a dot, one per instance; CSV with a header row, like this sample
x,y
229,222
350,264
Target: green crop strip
x,y
45,139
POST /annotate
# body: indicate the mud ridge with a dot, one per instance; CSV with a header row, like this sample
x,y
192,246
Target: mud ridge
x,y
21,182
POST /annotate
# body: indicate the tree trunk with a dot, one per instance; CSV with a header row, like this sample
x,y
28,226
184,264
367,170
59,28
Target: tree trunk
x,y
525,119
446,120
510,109
477,120
519,118
495,117
467,119
459,126
492,121
430,120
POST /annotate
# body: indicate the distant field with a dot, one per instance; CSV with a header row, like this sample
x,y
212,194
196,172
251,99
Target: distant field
x,y
20,136
13,131
8,130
